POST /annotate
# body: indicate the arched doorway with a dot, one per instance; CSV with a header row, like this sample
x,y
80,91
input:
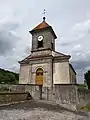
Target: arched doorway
x,y
39,76
39,80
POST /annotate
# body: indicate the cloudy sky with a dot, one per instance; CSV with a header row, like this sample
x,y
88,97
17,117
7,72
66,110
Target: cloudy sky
x,y
69,18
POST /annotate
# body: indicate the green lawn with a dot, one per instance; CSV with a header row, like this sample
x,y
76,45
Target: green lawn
x,y
82,86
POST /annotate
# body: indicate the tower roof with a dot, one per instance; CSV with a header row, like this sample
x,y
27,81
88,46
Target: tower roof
x,y
43,26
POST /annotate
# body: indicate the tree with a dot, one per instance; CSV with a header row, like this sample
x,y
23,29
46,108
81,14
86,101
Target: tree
x,y
87,78
8,77
11,77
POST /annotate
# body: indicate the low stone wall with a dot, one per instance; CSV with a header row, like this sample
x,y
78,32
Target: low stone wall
x,y
12,88
33,90
47,93
13,97
83,96
66,95
17,88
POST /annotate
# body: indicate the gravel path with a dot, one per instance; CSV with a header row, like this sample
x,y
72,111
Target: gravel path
x,y
34,110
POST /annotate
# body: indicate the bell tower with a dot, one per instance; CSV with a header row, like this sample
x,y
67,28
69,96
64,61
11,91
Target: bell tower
x,y
43,37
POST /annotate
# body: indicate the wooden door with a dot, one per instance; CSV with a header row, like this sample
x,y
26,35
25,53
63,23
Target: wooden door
x,y
39,76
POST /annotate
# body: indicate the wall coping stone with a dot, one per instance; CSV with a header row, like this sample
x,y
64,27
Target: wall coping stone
x,y
9,93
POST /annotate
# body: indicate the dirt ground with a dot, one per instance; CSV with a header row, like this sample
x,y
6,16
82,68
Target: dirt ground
x,y
39,110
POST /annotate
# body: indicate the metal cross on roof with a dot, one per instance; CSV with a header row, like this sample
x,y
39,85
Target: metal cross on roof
x,y
44,13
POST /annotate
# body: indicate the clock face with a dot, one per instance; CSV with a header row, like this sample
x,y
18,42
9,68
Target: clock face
x,y
40,38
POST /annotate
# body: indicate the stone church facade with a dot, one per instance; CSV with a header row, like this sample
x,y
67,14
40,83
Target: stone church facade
x,y
44,66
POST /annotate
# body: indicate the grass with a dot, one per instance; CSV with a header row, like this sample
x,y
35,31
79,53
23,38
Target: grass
x,y
82,86
84,108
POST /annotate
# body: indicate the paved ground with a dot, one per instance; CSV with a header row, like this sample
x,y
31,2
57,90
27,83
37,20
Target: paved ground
x,y
39,110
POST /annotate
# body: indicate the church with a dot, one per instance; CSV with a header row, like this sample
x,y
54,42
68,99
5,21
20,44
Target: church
x,y
45,66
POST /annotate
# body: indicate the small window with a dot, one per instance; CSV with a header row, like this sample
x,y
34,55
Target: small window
x,y
40,43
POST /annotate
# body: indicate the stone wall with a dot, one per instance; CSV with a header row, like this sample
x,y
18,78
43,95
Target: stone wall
x,y
61,71
46,65
72,75
46,41
63,94
83,96
66,95
12,97
32,89
47,92
28,72
24,77
12,88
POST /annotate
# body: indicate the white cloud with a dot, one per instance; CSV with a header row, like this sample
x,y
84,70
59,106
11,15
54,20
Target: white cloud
x,y
82,27
76,43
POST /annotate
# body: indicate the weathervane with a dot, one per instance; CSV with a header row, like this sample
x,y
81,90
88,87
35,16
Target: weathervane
x,y
44,14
